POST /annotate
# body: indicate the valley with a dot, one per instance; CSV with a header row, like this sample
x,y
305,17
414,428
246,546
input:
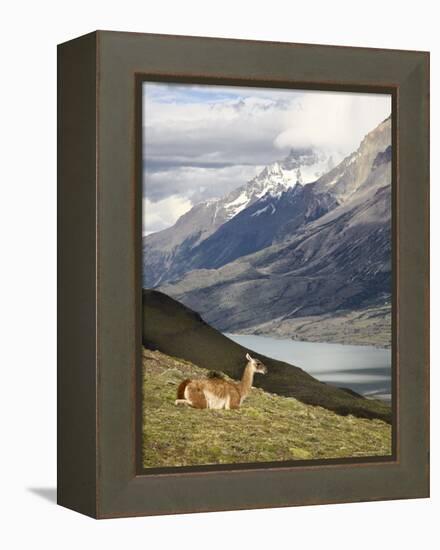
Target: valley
x,y
287,255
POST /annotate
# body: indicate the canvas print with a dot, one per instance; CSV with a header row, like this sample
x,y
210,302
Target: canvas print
x,y
266,274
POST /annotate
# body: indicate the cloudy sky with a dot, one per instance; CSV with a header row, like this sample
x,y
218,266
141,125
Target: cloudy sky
x,y
200,142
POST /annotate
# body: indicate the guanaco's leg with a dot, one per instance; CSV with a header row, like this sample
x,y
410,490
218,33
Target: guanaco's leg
x,y
181,402
234,402
193,397
196,397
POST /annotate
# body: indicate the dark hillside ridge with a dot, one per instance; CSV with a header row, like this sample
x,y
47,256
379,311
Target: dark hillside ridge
x,y
176,330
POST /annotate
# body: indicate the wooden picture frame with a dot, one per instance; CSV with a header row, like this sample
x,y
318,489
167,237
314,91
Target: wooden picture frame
x,y
99,288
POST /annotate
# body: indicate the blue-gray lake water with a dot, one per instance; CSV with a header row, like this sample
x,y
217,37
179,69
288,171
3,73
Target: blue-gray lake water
x,y
364,369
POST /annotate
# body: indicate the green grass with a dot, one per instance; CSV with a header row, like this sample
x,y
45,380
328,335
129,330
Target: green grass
x,y
266,428
178,331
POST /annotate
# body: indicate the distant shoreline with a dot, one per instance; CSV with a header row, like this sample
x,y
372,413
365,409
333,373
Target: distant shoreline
x,y
276,336
363,327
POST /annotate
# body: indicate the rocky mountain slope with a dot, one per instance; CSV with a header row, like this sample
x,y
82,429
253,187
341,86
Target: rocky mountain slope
x,y
269,219
338,261
170,253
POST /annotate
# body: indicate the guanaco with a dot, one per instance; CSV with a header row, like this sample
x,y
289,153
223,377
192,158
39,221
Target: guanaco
x,y
215,392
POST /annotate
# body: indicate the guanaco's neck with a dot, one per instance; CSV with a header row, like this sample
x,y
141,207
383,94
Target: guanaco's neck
x,y
246,381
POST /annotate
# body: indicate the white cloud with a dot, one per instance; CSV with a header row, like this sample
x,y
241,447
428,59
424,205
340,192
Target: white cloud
x,y
201,142
159,215
333,120
258,127
196,183
235,131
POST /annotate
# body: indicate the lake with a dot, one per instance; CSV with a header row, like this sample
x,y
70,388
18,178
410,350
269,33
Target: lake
x,y
364,369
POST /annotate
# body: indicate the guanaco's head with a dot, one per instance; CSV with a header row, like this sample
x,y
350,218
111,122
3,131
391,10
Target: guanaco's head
x,y
256,365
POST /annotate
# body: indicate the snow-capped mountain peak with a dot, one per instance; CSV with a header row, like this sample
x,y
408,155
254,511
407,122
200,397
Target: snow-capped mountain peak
x,y
269,208
301,166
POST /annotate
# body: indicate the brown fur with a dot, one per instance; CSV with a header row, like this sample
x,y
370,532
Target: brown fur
x,y
181,388
221,389
216,392
196,396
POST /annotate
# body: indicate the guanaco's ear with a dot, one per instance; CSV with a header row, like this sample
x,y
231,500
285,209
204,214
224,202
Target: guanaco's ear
x,y
248,357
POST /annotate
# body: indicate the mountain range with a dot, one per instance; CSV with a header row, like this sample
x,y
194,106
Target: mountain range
x,y
303,240
168,254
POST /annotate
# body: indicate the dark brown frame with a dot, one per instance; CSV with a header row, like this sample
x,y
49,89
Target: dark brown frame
x,y
99,275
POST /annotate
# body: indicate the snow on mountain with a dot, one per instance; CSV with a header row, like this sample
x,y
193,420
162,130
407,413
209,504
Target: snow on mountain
x,y
326,249
166,252
300,166
269,208
269,219
298,190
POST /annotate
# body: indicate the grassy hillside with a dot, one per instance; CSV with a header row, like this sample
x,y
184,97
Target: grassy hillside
x,y
266,428
174,329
